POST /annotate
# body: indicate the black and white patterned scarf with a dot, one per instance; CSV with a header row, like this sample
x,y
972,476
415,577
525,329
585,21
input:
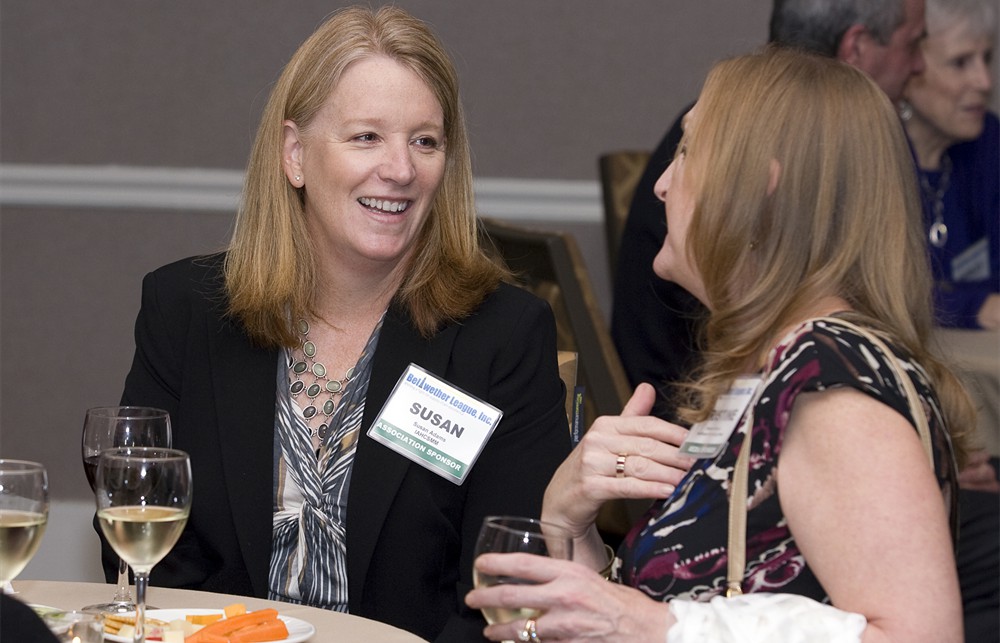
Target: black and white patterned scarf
x,y
309,538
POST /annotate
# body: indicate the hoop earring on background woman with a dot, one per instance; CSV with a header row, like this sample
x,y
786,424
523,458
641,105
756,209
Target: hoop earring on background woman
x,y
905,110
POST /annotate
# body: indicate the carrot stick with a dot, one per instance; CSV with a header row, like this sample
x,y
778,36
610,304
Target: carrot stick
x,y
208,638
227,626
211,638
268,631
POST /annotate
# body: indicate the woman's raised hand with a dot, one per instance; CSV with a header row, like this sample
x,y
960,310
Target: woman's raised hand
x,y
633,455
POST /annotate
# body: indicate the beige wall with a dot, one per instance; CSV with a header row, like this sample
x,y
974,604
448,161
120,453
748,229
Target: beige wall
x,y
179,84
548,84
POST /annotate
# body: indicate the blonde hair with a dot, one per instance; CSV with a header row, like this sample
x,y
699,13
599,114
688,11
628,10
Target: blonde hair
x,y
843,219
270,270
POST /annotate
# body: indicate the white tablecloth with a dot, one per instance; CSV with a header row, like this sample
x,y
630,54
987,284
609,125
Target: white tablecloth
x,y
331,627
976,354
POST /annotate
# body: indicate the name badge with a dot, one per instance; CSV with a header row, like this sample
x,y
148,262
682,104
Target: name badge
x,y
706,439
973,264
436,425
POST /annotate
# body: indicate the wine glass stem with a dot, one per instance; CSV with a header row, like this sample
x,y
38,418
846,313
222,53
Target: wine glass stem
x,y
141,580
122,594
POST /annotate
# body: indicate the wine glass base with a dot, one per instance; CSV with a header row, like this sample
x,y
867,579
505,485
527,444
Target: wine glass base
x,y
115,607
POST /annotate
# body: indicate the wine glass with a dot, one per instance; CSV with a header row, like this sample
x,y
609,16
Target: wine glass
x,y
106,427
509,534
143,501
24,511
76,627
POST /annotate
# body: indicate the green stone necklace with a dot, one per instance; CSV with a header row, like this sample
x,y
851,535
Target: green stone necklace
x,y
320,387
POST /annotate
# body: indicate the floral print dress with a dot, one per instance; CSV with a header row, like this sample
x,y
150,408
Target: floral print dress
x,y
678,549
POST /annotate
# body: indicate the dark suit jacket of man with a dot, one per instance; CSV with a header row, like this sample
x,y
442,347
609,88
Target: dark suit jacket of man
x,y
654,322
410,532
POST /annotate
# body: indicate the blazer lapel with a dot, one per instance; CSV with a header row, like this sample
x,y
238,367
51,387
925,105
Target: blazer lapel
x,y
244,383
378,471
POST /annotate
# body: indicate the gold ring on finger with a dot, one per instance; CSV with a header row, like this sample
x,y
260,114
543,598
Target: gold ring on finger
x,y
529,633
620,465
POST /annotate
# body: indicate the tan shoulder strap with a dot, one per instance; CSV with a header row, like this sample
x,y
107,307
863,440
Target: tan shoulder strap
x,y
736,553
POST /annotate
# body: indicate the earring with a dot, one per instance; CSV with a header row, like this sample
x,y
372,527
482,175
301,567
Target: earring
x,y
905,110
298,178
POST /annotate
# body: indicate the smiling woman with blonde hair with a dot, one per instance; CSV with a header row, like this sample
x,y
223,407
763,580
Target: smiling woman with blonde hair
x,y
355,259
792,215
267,274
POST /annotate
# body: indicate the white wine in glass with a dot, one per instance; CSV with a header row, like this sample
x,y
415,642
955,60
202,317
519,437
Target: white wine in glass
x,y
510,534
24,512
143,501
107,427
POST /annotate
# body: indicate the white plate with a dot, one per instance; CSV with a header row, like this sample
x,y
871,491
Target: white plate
x,y
298,630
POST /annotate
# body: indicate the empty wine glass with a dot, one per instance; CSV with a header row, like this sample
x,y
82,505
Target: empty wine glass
x,y
76,627
106,427
24,511
509,534
143,501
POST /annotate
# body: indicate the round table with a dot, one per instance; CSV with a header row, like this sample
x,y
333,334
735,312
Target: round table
x,y
331,627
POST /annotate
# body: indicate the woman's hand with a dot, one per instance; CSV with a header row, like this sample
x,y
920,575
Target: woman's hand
x,y
979,474
576,603
588,477
989,313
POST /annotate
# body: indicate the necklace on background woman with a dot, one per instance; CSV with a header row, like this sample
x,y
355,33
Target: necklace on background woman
x,y
938,233
322,392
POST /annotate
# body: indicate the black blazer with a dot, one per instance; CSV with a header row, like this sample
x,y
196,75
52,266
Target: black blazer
x,y
410,533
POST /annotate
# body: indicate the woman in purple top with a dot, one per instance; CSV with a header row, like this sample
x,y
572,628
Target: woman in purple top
x,y
956,142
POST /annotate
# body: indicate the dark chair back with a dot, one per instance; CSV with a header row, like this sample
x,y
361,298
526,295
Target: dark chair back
x,y
620,172
549,264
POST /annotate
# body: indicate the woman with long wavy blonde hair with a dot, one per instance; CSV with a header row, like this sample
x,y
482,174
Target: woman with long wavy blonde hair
x,y
793,216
